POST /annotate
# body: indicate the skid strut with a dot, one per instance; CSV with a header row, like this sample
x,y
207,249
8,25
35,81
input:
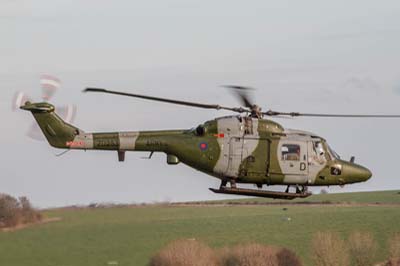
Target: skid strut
x,y
260,193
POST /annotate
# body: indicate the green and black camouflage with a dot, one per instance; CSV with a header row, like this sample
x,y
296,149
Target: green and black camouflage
x,y
236,148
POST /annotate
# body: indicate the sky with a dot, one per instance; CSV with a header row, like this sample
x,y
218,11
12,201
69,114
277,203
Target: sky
x,y
306,56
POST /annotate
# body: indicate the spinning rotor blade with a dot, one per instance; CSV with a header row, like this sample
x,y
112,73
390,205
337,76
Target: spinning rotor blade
x,y
295,114
49,85
19,99
192,104
242,93
67,112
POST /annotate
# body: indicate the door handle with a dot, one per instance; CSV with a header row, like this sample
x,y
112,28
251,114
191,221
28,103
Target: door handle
x,y
302,166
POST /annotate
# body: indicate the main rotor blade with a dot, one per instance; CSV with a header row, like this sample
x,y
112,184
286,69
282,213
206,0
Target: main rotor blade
x,y
296,114
242,93
192,104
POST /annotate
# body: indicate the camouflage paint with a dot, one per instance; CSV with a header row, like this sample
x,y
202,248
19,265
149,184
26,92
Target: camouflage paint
x,y
244,149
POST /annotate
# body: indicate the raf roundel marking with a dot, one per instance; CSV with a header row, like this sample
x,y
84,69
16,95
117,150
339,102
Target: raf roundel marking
x,y
203,146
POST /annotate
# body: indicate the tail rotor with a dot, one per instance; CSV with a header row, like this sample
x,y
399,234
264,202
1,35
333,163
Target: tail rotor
x,y
49,85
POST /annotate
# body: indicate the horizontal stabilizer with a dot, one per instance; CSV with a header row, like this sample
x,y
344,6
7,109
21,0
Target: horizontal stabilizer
x,y
38,107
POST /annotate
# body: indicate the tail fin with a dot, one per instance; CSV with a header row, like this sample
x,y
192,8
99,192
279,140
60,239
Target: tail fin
x,y
57,132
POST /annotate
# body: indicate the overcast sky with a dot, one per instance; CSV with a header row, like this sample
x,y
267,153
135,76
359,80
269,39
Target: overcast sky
x,y
307,56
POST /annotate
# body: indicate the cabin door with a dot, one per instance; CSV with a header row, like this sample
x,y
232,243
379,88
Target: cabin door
x,y
293,157
235,156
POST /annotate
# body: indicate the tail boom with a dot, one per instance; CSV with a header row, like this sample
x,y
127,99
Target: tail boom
x,y
62,135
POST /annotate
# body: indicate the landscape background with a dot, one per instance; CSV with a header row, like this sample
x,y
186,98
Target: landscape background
x,y
131,235
311,56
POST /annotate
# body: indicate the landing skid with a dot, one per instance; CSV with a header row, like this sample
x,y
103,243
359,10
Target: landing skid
x,y
260,193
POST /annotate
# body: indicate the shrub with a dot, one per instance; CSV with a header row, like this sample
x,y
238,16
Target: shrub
x,y
329,250
193,253
28,213
184,253
14,211
394,250
287,257
9,211
249,255
362,247
393,262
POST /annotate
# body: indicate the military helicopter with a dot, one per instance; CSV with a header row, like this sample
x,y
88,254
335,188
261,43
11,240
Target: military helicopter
x,y
242,148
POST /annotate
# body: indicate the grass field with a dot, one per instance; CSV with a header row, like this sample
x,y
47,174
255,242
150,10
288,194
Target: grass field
x,y
130,235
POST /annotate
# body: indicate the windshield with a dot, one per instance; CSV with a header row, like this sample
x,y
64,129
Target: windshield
x,y
333,153
323,153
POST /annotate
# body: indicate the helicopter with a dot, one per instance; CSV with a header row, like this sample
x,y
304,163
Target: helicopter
x,y
238,149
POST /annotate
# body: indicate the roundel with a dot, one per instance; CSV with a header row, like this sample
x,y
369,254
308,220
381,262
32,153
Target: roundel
x,y
203,146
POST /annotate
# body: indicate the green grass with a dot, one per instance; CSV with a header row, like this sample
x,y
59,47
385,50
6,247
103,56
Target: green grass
x,y
94,237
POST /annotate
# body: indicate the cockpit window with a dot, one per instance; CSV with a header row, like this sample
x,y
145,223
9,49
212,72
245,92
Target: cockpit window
x,y
290,152
333,153
324,152
318,148
319,154
200,130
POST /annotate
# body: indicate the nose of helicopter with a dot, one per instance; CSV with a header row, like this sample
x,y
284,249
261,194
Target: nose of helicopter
x,y
363,173
357,173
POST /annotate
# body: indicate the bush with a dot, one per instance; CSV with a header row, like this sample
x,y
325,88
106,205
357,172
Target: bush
x,y
287,257
394,250
14,211
9,211
393,262
362,247
184,253
28,213
193,253
329,250
250,255
258,255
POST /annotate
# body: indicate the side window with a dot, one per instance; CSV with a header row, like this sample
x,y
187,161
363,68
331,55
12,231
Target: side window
x,y
336,170
290,152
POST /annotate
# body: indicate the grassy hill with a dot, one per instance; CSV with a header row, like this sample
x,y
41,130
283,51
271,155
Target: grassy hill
x,y
130,235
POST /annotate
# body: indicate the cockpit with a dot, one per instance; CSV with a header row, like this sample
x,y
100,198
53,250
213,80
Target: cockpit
x,y
332,152
322,152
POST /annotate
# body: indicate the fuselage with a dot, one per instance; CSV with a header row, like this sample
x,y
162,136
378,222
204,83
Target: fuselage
x,y
245,149
239,148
